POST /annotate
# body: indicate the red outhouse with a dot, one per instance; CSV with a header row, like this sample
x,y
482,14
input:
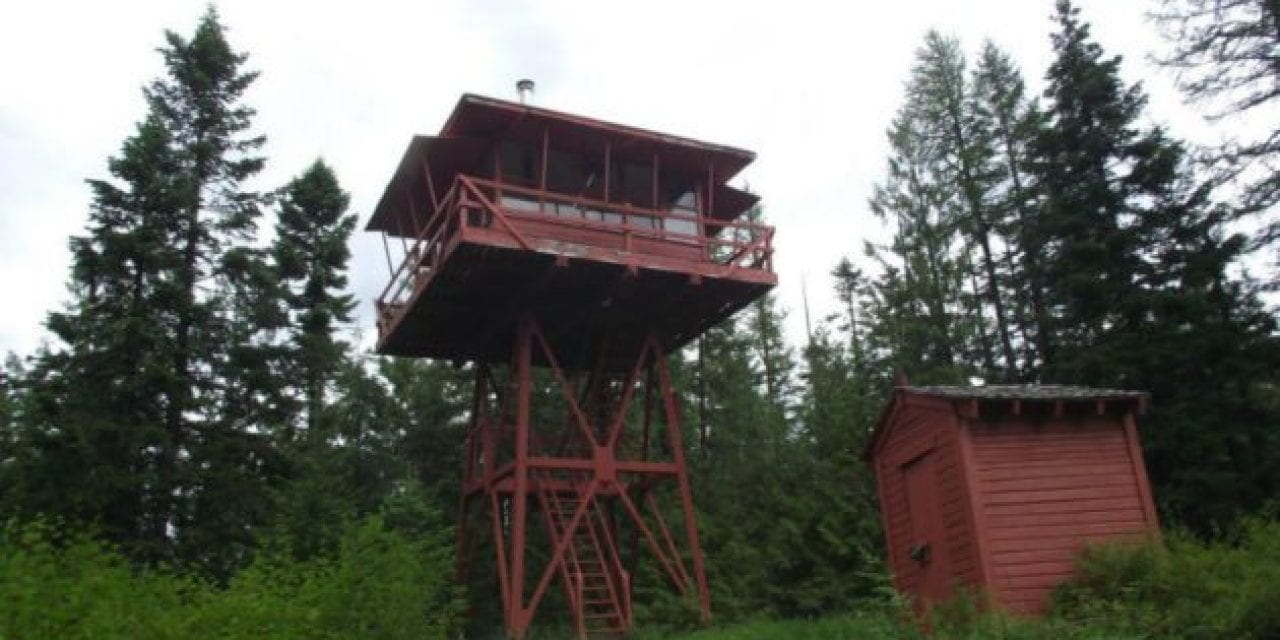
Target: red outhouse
x,y
996,488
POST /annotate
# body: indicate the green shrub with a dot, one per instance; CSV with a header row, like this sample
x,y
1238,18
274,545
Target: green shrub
x,y
1188,589
73,587
381,584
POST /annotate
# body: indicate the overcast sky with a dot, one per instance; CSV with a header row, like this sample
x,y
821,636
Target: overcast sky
x,y
809,86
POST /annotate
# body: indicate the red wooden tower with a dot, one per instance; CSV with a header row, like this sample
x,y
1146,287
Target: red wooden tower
x,y
566,258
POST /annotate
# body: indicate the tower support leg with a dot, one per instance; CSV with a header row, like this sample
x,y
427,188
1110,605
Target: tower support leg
x,y
600,461
520,495
686,492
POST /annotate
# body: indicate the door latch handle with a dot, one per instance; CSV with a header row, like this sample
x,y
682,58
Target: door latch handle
x,y
919,552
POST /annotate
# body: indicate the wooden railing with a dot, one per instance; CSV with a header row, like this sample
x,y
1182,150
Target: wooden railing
x,y
728,242
476,202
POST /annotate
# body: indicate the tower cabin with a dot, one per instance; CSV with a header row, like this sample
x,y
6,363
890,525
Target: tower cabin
x,y
997,488
594,228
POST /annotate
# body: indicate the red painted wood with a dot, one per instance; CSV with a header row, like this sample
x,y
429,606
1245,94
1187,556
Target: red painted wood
x,y
1069,468
983,569
1140,469
1074,506
1072,530
928,533
1016,499
1049,519
924,433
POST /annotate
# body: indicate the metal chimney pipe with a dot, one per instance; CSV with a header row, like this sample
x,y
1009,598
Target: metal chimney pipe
x,y
524,88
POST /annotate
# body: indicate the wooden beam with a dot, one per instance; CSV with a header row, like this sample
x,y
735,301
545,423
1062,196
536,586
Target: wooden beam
x,y
413,216
431,185
608,148
655,180
386,248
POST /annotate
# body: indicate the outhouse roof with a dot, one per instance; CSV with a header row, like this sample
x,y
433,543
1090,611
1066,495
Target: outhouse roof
x,y
1024,392
1005,393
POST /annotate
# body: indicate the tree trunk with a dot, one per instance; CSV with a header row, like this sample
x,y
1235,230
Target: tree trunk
x,y
982,232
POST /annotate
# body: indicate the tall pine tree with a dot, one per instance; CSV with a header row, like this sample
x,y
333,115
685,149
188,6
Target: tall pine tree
x,y
1136,263
125,427
311,256
1225,52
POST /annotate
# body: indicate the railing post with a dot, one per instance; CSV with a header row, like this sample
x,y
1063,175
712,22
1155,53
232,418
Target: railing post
x,y
579,589
626,597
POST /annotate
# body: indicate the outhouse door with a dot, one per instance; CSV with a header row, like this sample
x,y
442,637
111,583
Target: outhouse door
x,y
926,546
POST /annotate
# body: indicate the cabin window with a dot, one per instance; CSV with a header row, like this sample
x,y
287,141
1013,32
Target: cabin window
x,y
565,172
519,163
632,184
516,202
685,213
642,222
575,175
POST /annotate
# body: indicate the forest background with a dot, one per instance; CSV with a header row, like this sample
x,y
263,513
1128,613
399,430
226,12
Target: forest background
x,y
203,451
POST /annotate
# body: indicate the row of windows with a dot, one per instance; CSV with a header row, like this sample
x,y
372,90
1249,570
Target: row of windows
x,y
583,175
568,210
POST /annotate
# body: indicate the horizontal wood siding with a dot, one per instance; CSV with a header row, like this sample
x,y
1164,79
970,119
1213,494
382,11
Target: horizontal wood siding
x,y
915,429
1047,490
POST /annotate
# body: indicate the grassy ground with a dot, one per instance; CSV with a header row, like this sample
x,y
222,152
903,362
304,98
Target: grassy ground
x,y
891,627
823,628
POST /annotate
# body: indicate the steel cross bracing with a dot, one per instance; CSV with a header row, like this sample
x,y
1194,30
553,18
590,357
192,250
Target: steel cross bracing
x,y
589,456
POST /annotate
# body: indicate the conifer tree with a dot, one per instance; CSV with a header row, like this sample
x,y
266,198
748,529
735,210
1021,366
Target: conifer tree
x,y
1224,52
429,409
1136,264
774,359
1095,237
944,98
126,411
311,257
1014,122
915,300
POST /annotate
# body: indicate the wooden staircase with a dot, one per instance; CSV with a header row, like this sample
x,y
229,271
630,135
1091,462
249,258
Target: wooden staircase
x,y
597,587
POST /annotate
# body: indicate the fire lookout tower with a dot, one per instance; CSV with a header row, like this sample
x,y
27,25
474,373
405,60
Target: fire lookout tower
x,y
565,258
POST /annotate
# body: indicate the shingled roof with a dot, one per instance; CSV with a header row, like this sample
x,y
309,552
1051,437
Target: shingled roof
x,y
1024,392
1007,393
